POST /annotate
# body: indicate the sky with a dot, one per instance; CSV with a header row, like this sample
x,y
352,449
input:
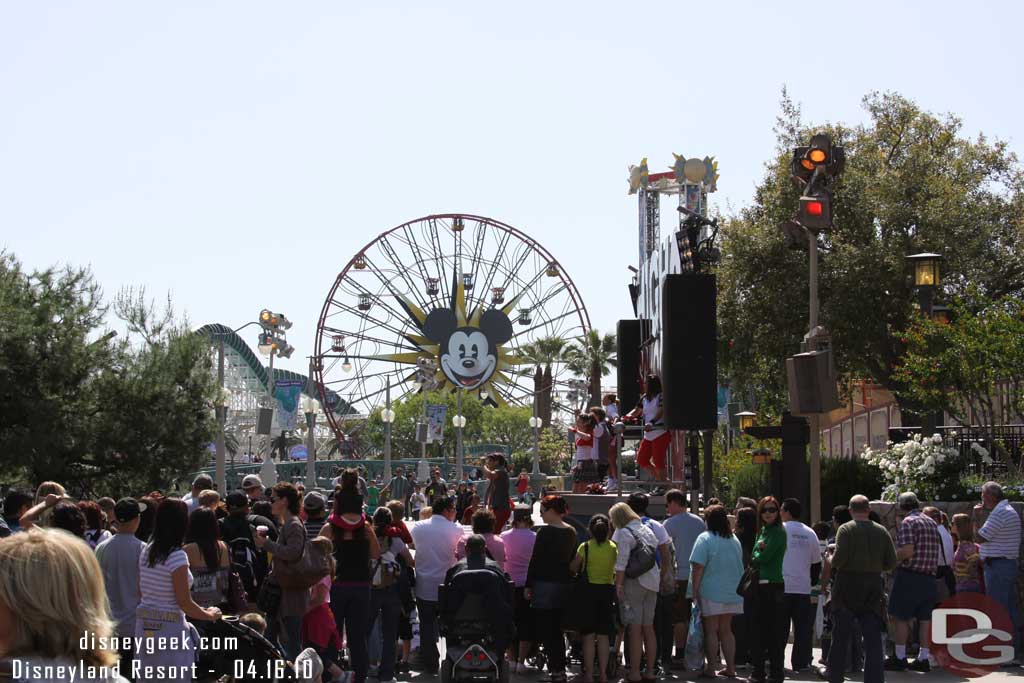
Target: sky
x,y
238,154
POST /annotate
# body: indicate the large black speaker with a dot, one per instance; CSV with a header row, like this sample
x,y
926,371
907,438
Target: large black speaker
x,y
629,335
689,351
812,387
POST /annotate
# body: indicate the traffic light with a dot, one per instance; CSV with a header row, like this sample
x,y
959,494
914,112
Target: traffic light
x,y
274,321
819,154
816,211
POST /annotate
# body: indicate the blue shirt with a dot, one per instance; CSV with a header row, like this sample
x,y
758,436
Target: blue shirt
x,y
684,529
722,559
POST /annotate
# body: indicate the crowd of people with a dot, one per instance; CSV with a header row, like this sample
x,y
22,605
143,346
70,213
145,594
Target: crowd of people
x,y
337,582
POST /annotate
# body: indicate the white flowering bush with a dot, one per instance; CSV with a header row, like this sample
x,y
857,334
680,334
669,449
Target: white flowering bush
x,y
924,465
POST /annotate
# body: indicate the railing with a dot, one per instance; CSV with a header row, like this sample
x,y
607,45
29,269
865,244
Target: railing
x,y
1009,437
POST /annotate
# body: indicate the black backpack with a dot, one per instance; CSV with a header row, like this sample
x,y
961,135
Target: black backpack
x,y
246,559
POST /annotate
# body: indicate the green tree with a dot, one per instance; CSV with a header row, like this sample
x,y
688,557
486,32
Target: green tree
x,y
507,425
593,356
913,183
83,407
967,367
543,354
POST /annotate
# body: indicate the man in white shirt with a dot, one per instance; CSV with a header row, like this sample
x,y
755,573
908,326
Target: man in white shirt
x,y
437,540
638,502
801,566
1000,549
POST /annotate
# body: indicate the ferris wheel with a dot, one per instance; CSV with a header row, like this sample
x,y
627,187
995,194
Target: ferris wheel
x,y
447,302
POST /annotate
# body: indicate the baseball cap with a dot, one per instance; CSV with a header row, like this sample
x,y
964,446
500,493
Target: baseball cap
x,y
314,501
252,481
127,509
236,500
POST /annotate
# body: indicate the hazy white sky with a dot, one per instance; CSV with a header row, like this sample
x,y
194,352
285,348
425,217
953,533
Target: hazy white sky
x,y
237,154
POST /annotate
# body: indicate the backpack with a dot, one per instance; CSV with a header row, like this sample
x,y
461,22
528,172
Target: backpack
x,y
642,557
247,561
304,572
386,571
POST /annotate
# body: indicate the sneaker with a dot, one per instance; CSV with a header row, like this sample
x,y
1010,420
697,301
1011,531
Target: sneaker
x,y
822,672
893,664
921,665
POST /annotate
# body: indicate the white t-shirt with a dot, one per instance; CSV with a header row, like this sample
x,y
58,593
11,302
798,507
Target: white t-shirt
x,y
612,411
802,550
437,542
650,408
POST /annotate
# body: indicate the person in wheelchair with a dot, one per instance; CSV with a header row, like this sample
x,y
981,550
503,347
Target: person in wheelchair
x,y
475,606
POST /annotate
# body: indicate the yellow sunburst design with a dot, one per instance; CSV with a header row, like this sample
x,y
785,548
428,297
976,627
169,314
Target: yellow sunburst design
x,y
507,358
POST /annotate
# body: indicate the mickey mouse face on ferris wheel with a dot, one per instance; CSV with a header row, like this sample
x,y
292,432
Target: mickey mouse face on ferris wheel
x,y
468,355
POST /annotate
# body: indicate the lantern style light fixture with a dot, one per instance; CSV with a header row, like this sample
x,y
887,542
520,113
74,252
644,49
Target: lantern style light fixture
x,y
365,302
387,416
459,421
359,263
942,314
761,456
746,420
536,423
433,286
926,269
346,365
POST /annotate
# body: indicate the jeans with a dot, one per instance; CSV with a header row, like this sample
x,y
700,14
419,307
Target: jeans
x,y
742,630
800,612
428,632
351,608
769,632
844,623
548,626
286,632
1001,586
665,630
384,602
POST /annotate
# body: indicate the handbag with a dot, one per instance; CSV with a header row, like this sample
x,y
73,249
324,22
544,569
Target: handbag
x,y
238,598
269,599
580,592
748,582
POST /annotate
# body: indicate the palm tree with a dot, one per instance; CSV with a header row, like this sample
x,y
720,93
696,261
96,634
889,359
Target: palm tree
x,y
593,356
544,353
282,443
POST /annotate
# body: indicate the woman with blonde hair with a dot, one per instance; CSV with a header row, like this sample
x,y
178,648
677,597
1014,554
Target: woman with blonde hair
x,y
637,596
42,573
48,487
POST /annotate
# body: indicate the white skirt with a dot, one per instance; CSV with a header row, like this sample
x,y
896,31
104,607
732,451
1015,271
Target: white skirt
x,y
710,608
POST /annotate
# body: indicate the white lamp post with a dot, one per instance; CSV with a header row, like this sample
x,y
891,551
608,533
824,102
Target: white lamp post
x,y
310,406
536,478
387,416
459,422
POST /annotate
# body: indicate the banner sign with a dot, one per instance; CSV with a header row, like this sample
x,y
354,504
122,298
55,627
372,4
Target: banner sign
x,y
436,415
287,393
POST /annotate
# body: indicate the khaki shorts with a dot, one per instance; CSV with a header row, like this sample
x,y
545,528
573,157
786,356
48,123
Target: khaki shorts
x,y
638,605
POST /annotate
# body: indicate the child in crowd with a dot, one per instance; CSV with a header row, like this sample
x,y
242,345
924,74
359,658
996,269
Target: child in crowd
x,y
319,629
417,501
255,621
967,559
474,505
610,403
584,471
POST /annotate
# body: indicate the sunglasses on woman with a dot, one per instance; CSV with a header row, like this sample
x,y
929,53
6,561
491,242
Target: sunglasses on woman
x,y
769,510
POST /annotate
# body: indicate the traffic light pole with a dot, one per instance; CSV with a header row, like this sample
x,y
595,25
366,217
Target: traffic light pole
x,y
811,344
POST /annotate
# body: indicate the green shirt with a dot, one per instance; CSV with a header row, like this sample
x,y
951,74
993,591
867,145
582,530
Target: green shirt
x,y
768,560
372,494
599,561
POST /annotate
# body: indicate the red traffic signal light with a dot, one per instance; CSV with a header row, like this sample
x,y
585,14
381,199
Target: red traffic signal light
x,y
820,153
815,212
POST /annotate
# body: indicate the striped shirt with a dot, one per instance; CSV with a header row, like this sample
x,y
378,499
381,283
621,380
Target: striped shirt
x,y
313,526
1001,532
155,583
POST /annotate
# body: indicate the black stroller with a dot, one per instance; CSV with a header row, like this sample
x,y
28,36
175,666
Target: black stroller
x,y
476,620
255,659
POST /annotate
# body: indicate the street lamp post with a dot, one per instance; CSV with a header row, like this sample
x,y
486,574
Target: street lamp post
x,y
927,277
309,407
387,416
221,411
459,422
536,478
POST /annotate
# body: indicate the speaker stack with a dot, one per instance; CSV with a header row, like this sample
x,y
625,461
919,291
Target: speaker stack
x,y
689,351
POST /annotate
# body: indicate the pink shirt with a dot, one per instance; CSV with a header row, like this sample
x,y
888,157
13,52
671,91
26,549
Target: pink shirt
x,y
495,546
518,549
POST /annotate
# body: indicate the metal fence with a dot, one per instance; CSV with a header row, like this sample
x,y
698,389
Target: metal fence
x,y
1009,437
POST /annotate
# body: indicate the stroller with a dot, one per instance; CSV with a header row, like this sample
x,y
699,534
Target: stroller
x,y
476,620
255,659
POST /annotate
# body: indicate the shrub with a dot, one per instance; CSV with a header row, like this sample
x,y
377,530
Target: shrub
x,y
843,478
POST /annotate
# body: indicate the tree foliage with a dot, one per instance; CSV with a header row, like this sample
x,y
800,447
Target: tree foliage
x,y
973,367
82,406
592,356
913,183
